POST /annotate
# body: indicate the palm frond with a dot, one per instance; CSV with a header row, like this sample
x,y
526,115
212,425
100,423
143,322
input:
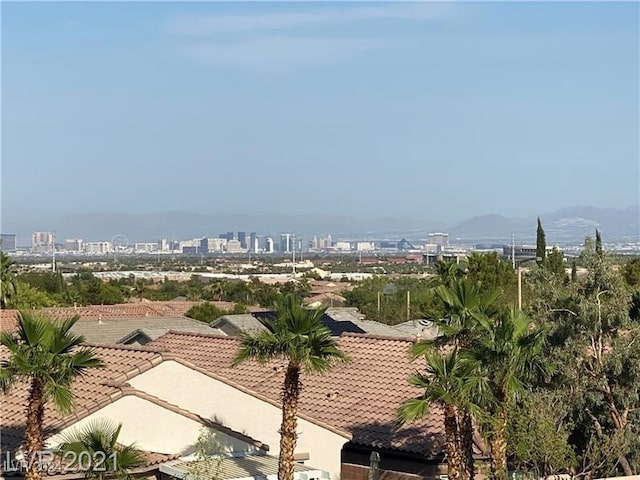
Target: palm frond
x,y
412,409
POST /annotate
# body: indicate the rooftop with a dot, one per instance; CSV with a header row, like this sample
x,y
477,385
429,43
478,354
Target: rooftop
x,y
124,323
359,399
96,389
106,312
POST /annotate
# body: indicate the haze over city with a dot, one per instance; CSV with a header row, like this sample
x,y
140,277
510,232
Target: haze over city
x,y
431,110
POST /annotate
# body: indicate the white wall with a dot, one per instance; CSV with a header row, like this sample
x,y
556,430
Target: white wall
x,y
210,398
153,428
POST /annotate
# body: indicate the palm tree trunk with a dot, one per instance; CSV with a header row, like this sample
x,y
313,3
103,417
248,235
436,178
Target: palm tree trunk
x,y
34,435
498,443
452,434
466,438
288,435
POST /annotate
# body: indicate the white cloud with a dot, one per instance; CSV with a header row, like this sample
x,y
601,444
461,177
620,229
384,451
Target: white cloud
x,y
195,25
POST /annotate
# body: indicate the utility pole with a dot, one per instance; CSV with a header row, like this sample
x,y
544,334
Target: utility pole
x,y
53,250
408,304
378,301
293,244
519,288
513,249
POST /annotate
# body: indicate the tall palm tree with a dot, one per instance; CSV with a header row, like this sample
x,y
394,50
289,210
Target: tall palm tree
x,y
509,355
47,356
444,383
95,449
8,288
466,310
297,336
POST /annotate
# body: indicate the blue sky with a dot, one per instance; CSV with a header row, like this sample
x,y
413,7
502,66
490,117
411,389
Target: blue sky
x,y
434,110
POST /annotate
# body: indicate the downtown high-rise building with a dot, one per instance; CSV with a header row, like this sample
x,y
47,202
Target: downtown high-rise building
x,y
286,243
242,238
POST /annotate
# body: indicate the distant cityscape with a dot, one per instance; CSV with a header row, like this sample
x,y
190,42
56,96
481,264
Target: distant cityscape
x,y
436,245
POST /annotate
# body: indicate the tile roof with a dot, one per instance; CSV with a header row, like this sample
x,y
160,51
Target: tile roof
x,y
96,389
359,399
107,325
106,312
243,322
337,319
117,330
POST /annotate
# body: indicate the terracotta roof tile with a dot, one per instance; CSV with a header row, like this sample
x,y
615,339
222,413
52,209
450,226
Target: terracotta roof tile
x,y
106,312
359,398
94,389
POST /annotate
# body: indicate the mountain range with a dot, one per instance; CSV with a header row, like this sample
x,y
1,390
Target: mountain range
x,y
562,226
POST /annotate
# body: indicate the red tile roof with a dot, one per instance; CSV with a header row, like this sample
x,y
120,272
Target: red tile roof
x,y
97,388
94,390
105,312
359,399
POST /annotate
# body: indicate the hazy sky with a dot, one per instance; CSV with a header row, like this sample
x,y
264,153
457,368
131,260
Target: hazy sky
x,y
436,110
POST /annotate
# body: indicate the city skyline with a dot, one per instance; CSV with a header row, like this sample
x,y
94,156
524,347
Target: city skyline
x,y
359,109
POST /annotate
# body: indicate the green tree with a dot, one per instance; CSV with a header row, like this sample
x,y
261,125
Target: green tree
x,y
444,382
594,347
574,271
509,356
8,287
48,356
96,450
538,434
464,308
28,297
297,336
541,244
598,243
205,312
555,265
631,272
493,273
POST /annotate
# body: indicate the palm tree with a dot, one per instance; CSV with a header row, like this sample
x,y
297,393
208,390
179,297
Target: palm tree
x,y
95,449
465,310
8,288
48,356
297,336
444,383
509,355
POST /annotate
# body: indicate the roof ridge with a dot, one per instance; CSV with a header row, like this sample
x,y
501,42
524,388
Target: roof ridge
x,y
120,346
375,336
196,334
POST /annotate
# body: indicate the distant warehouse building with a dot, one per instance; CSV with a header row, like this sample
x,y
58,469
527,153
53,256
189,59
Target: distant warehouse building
x,y
521,253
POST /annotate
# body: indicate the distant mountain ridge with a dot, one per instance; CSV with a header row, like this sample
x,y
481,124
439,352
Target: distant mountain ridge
x,y
572,223
564,225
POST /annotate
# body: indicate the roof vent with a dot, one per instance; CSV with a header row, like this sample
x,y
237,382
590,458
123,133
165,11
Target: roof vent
x,y
332,395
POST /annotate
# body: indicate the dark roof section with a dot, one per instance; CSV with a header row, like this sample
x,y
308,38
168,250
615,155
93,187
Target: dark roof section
x,y
338,320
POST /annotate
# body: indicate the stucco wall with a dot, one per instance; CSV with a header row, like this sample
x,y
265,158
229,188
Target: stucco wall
x,y
153,428
198,393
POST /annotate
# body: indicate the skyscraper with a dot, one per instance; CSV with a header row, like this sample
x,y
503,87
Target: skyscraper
x,y
286,243
242,238
253,242
268,247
